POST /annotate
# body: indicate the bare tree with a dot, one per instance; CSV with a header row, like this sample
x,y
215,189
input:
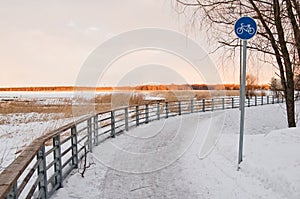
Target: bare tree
x,y
297,86
251,84
276,86
297,82
278,37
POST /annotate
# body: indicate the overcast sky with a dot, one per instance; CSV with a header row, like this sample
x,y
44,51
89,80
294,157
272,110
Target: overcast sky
x,y
44,43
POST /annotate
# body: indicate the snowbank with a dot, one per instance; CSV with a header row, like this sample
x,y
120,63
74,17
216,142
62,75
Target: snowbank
x,y
275,161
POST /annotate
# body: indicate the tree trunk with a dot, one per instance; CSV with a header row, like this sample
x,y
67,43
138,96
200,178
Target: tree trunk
x,y
289,88
290,105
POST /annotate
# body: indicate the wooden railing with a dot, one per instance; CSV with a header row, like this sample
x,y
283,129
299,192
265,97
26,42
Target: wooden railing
x,y
42,167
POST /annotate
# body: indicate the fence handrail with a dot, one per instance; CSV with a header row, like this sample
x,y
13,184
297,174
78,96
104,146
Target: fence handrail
x,y
82,136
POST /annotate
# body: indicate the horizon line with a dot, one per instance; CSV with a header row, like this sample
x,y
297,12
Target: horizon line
x,y
130,88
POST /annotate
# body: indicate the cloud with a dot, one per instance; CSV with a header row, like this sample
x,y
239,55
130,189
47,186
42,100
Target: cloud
x,y
93,28
41,37
71,24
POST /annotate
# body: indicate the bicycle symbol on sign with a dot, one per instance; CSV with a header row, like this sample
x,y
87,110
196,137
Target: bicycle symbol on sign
x,y
247,28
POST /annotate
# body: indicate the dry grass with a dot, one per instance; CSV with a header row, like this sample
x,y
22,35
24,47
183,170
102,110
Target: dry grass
x,y
188,95
29,107
215,93
79,106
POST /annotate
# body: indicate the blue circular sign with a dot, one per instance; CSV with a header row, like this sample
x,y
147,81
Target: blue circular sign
x,y
245,28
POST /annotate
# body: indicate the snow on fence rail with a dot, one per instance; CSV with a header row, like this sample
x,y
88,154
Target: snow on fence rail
x,y
42,167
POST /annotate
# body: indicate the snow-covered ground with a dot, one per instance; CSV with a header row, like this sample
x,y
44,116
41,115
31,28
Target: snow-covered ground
x,y
35,94
165,159
21,129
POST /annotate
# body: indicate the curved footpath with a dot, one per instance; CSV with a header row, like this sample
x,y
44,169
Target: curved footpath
x,y
164,159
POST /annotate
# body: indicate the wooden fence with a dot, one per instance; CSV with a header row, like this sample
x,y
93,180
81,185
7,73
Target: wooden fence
x,y
42,167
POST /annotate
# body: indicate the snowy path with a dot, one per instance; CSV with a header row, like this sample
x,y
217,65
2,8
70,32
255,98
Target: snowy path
x,y
161,160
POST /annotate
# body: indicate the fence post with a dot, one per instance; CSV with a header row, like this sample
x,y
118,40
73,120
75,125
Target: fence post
x,y
232,102
167,109
268,99
273,101
248,101
192,105
112,124
13,193
58,180
42,173
179,107
126,119
223,103
158,111
90,139
147,113
255,97
137,116
96,130
212,104
74,147
262,100
203,105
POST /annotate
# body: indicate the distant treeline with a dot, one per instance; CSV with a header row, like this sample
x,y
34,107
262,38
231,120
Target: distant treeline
x,y
197,87
55,88
140,88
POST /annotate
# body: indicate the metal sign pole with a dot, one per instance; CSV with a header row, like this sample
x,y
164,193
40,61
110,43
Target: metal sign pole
x,y
245,28
241,69
242,100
